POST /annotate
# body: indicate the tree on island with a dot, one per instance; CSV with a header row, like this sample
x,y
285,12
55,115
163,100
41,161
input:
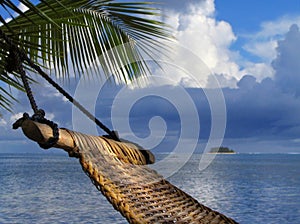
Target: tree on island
x,y
221,150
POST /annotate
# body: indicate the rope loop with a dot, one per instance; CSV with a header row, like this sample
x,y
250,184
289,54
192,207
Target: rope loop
x,y
39,116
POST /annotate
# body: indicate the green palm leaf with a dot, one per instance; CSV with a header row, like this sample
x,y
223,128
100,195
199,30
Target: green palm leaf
x,y
82,37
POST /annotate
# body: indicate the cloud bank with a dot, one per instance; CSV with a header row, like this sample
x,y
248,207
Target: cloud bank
x,y
262,98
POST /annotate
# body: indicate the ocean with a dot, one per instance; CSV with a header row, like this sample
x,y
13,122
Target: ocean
x,y
52,188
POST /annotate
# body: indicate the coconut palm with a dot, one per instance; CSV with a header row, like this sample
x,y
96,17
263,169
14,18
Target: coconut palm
x,y
77,37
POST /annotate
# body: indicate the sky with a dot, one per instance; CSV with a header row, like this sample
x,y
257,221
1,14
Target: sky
x,y
233,80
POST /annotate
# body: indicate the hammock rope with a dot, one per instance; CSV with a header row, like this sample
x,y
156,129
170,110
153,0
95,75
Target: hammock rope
x,y
138,192
117,169
120,172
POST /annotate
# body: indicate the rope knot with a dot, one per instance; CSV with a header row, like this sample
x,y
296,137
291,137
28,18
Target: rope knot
x,y
39,116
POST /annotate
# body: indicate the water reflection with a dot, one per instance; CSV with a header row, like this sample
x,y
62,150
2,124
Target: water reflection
x,y
249,188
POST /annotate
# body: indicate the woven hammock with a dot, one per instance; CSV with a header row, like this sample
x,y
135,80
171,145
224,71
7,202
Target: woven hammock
x,y
118,170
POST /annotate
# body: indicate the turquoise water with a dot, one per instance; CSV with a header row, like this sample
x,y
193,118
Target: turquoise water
x,y
47,188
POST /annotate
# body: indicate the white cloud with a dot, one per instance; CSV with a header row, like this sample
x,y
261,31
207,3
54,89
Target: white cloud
x,y
211,39
276,28
23,7
259,70
50,116
207,38
16,116
206,8
3,123
264,42
266,50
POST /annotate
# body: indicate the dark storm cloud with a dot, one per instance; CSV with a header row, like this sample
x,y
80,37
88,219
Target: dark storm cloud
x,y
287,64
262,110
271,108
256,111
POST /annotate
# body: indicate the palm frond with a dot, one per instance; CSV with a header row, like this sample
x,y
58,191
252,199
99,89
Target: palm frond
x,y
79,36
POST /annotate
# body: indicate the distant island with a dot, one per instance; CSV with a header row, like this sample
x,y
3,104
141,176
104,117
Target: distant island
x,y
222,150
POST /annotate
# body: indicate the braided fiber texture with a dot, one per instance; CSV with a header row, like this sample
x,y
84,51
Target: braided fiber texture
x,y
139,193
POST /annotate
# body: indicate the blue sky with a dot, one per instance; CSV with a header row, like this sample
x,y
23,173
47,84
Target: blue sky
x,y
251,47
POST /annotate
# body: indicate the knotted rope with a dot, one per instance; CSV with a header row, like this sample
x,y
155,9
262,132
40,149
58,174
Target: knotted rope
x,y
138,192
15,63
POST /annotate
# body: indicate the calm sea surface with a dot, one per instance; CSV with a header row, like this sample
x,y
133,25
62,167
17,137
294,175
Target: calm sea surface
x,y
47,188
